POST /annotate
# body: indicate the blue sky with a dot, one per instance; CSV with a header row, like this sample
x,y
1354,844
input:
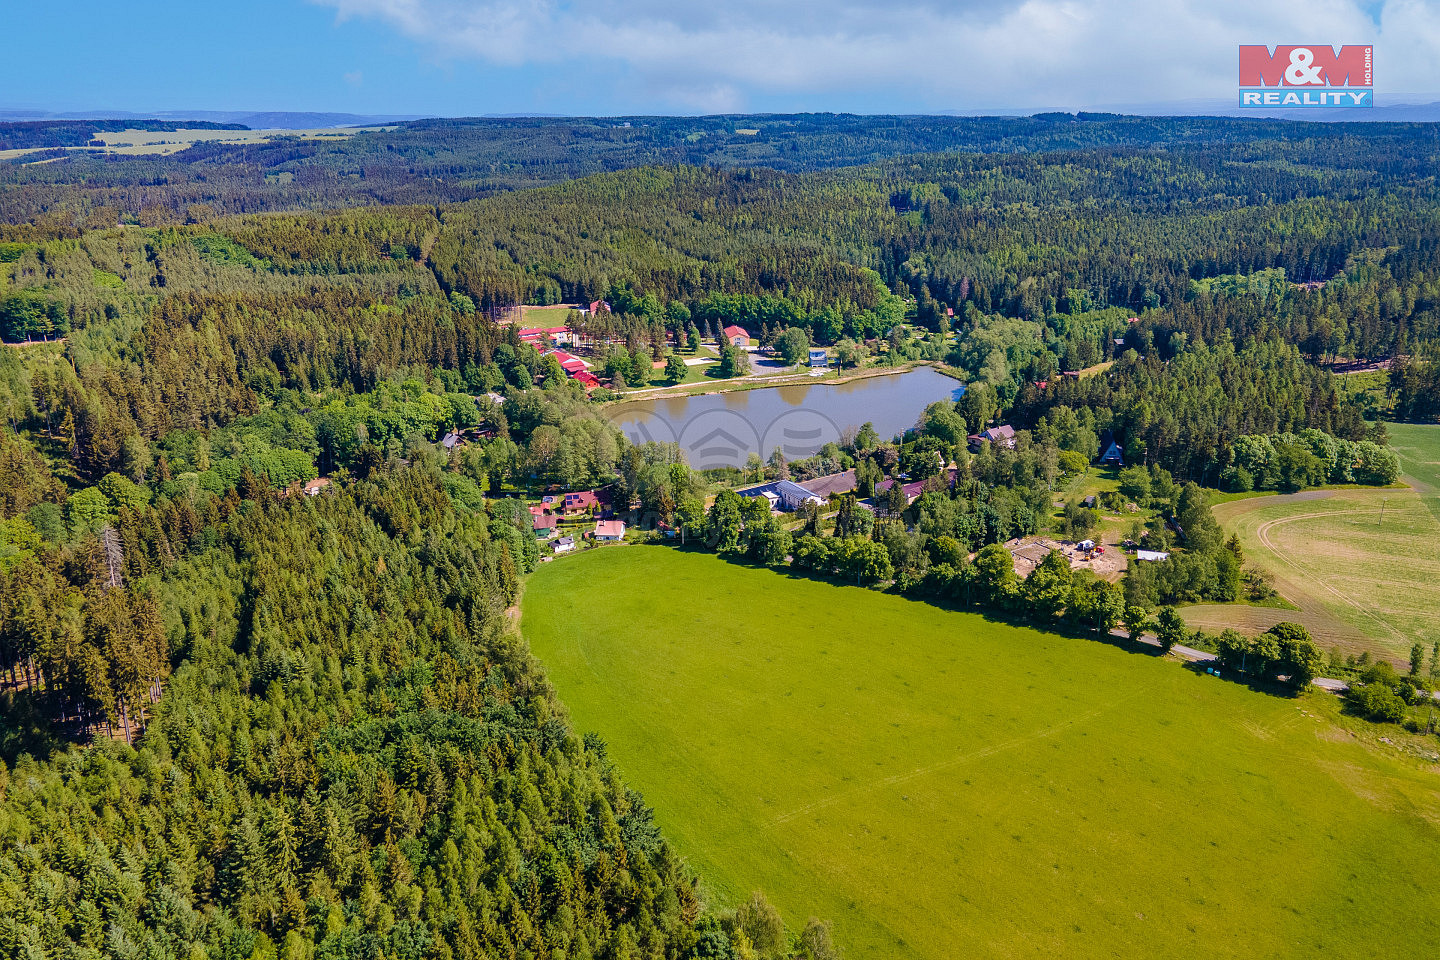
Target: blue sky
x,y
470,57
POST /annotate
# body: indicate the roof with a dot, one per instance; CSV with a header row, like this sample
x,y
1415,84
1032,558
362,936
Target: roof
x,y
452,440
583,500
832,484
565,542
544,522
1155,555
911,490
1002,432
535,333
610,528
317,484
734,331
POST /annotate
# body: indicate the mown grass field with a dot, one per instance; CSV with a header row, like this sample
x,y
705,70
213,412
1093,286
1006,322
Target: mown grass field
x,y
940,785
1359,584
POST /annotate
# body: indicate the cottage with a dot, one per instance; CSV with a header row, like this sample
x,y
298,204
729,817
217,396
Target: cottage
x,y
1113,455
576,504
452,440
1003,435
912,490
314,487
596,306
544,525
819,358
610,530
563,545
737,336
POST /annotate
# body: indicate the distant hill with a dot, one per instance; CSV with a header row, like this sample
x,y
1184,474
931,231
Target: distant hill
x,y
228,119
33,134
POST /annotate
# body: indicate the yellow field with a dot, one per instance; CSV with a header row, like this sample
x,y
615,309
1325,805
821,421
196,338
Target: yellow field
x,y
137,142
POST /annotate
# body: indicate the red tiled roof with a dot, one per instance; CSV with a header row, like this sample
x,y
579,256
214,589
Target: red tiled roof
x,y
734,331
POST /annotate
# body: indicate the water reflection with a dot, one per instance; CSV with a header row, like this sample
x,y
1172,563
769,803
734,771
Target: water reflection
x,y
724,429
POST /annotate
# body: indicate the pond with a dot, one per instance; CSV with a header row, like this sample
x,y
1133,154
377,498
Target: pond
x,y
723,429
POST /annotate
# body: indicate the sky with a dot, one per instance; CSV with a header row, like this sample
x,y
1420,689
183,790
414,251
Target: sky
x,y
614,57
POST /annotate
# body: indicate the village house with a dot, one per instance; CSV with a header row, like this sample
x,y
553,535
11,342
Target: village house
x,y
912,490
1112,456
736,336
1003,435
544,525
314,487
563,545
610,530
818,357
579,504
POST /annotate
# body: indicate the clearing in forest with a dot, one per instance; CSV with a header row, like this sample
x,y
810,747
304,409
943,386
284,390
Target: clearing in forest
x,y
938,784
1362,565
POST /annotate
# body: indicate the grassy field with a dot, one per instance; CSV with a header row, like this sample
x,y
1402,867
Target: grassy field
x,y
1359,584
142,142
939,785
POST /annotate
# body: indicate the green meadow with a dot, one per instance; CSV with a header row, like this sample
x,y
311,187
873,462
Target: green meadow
x,y
1361,565
940,785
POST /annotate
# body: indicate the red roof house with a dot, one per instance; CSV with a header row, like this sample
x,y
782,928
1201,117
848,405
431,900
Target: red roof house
x,y
737,336
578,503
610,530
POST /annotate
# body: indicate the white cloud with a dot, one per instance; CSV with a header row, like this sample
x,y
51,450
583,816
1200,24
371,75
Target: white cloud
x,y
916,54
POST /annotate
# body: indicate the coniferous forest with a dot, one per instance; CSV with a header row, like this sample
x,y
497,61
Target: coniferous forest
x,y
239,721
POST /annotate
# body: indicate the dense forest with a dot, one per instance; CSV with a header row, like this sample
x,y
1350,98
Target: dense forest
x,y
243,720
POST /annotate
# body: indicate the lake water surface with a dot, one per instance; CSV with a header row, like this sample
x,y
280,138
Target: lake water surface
x,y
723,429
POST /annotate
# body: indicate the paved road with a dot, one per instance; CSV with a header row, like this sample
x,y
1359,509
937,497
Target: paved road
x,y
1202,656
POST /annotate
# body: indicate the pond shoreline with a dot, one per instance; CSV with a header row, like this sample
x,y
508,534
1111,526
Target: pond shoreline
x,y
762,382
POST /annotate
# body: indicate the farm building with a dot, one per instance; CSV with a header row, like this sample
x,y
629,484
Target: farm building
x,y
737,336
610,530
537,334
831,484
782,494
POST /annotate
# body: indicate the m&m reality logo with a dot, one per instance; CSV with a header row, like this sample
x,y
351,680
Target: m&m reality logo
x,y
1312,75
